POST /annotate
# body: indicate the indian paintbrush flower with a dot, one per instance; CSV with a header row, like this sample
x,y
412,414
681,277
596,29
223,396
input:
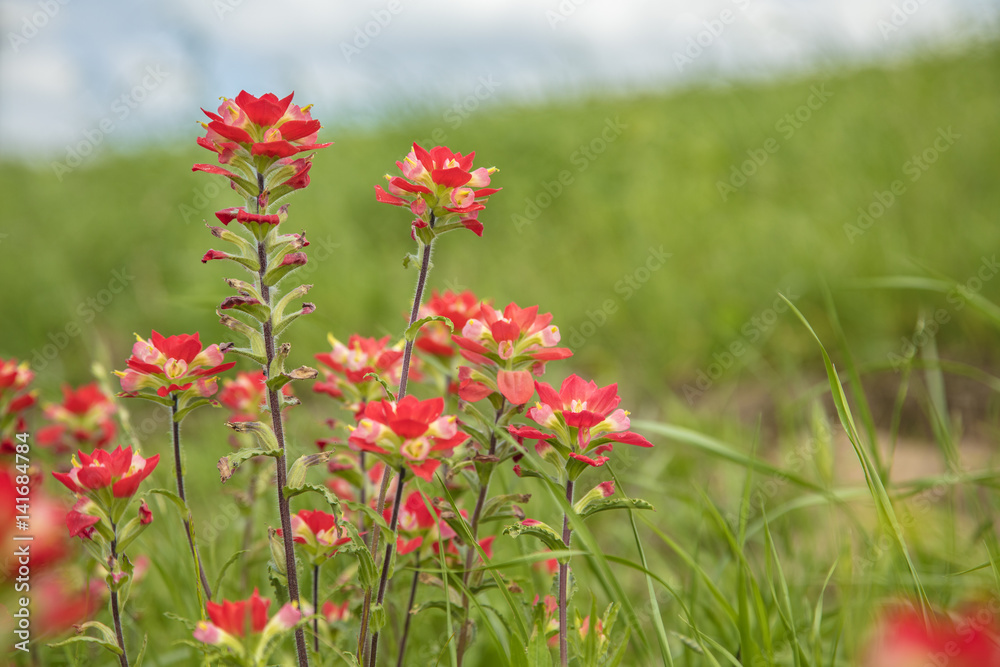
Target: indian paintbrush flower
x,y
581,422
408,432
439,185
507,348
172,364
84,417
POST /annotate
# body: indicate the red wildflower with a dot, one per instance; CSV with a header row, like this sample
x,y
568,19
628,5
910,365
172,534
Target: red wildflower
x,y
263,126
49,544
232,617
84,417
347,365
121,470
435,337
508,347
246,395
409,431
319,532
441,186
581,418
229,621
15,398
81,524
174,363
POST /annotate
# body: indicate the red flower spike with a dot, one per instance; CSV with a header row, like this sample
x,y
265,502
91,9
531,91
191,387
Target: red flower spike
x,y
582,417
265,127
122,470
439,183
169,364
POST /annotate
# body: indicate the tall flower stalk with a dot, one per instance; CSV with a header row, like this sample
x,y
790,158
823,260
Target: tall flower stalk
x,y
445,193
177,372
257,138
579,424
104,483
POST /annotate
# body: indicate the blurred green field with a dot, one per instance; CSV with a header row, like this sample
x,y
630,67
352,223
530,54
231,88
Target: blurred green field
x,y
613,219
581,254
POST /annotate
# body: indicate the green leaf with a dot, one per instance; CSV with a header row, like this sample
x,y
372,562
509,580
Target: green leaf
x,y
142,652
301,373
246,352
227,465
542,531
385,385
84,638
330,496
170,495
604,504
297,471
411,331
193,405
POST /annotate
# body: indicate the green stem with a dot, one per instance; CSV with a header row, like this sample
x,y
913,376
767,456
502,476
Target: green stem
x,y
564,581
175,437
274,405
463,635
409,606
115,612
425,263
316,607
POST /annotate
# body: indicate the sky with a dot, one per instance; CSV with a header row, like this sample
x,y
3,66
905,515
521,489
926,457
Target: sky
x,y
89,74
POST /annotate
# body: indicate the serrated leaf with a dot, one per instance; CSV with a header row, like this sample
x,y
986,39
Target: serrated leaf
x,y
411,331
301,373
170,495
604,504
542,531
500,503
330,496
246,352
228,465
84,638
193,405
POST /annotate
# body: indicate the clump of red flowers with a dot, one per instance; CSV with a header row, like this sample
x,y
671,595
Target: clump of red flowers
x,y
441,188
84,417
172,364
